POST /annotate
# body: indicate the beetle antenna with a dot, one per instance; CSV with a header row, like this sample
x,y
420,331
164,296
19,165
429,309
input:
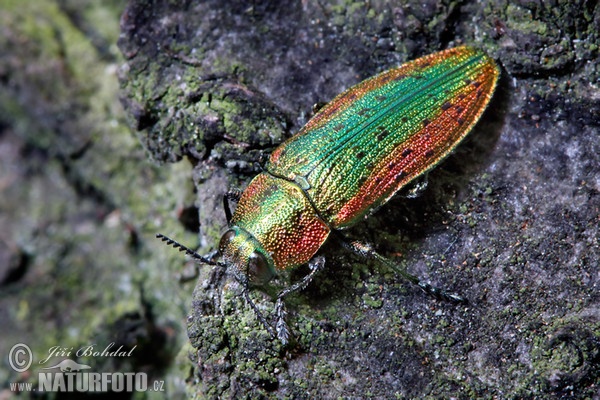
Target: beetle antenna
x,y
188,251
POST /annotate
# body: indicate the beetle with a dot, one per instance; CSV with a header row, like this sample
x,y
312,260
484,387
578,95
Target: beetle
x,y
353,155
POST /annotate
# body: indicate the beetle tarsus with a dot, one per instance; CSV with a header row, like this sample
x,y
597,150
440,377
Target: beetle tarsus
x,y
442,294
283,332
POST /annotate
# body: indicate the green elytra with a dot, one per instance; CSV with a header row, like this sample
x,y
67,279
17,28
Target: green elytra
x,y
350,159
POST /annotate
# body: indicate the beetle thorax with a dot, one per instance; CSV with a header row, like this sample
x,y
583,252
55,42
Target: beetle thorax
x,y
277,220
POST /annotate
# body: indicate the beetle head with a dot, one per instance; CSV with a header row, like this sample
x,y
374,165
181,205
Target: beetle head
x,y
246,256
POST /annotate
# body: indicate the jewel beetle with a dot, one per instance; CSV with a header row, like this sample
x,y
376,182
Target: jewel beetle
x,y
346,162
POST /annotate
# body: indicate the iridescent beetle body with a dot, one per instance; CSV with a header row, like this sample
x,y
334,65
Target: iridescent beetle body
x,y
351,158
358,151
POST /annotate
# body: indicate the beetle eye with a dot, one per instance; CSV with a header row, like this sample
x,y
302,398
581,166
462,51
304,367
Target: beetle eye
x,y
227,237
258,268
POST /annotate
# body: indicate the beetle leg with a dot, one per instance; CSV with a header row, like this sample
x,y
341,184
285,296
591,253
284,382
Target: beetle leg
x,y
257,312
366,250
283,332
232,194
417,187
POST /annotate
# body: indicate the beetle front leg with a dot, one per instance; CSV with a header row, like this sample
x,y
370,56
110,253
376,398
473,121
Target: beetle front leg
x,y
283,332
257,312
231,195
366,250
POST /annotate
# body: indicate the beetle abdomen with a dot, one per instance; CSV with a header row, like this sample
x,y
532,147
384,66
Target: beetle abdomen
x,y
374,138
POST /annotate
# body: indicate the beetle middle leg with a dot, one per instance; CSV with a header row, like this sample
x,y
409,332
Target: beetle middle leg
x,y
366,250
283,332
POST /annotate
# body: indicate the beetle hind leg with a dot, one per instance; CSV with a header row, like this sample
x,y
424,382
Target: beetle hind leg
x,y
366,250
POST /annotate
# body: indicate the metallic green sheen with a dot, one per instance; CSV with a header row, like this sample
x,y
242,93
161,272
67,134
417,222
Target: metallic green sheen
x,y
348,143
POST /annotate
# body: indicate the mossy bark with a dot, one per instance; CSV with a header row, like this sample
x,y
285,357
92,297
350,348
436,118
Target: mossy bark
x,y
80,202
